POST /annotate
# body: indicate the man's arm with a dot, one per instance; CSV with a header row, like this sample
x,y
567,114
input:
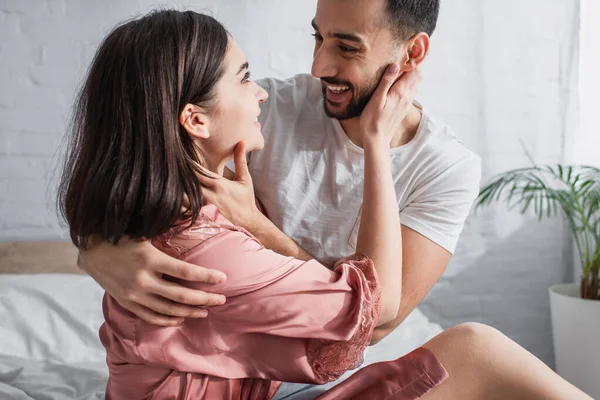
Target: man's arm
x,y
423,263
132,272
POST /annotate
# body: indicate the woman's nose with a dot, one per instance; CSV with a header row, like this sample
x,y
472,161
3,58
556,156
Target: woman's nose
x,y
261,94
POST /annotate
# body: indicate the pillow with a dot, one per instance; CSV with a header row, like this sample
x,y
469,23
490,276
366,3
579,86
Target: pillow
x,y
51,317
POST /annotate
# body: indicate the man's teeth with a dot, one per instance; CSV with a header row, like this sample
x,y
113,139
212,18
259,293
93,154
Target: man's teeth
x,y
337,89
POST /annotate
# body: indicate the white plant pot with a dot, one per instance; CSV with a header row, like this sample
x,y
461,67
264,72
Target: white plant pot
x,y
576,335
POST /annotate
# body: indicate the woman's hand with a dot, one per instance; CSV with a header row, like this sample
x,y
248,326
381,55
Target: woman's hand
x,y
131,272
382,117
234,198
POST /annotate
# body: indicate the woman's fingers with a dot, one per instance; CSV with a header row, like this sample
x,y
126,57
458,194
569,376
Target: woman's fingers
x,y
387,80
242,174
406,86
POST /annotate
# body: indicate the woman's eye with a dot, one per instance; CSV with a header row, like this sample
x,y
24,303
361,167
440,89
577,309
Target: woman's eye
x,y
318,38
246,77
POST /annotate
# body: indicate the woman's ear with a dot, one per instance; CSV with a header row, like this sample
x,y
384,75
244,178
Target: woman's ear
x,y
417,48
195,121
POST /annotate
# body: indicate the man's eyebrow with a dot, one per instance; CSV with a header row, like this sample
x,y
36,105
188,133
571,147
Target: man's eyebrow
x,y
243,67
344,36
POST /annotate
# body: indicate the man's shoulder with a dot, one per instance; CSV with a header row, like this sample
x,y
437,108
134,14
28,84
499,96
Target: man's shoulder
x,y
443,144
444,160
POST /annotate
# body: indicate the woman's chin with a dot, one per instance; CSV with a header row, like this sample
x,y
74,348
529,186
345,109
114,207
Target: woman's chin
x,y
256,144
255,147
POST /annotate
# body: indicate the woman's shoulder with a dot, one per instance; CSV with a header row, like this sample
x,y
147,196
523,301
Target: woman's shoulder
x,y
187,235
213,242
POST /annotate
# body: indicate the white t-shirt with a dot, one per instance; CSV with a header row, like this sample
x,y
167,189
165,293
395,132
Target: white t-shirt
x,y
309,176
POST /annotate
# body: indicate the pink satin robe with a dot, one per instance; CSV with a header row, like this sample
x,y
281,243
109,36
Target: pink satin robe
x,y
284,320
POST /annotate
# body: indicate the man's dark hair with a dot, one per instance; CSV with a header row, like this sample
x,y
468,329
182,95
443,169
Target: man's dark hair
x,y
408,17
130,162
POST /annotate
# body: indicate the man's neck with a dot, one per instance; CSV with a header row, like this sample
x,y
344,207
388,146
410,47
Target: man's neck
x,y
407,132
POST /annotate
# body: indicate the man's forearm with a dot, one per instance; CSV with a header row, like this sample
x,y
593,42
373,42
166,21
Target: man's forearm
x,y
274,239
423,264
408,304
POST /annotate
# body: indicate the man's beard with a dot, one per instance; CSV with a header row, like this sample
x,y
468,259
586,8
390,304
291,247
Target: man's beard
x,y
357,103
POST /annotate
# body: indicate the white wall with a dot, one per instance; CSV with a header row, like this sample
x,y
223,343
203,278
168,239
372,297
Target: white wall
x,y
500,71
584,147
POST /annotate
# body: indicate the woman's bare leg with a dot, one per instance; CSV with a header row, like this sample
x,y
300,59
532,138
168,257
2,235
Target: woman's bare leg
x,y
485,364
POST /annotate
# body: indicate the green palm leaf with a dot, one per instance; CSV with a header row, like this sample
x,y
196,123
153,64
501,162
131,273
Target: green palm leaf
x,y
548,189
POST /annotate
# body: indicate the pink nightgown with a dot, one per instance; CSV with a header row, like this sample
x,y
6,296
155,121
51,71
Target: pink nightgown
x,y
284,320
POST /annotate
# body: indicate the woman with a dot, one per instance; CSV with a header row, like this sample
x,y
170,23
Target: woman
x,y
165,104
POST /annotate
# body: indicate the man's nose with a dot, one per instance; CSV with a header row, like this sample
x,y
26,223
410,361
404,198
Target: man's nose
x,y
323,64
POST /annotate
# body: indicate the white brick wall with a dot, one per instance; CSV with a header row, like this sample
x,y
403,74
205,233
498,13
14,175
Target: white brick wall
x,y
497,74
514,77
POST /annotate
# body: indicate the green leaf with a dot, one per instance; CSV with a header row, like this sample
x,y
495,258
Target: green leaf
x,y
560,172
547,189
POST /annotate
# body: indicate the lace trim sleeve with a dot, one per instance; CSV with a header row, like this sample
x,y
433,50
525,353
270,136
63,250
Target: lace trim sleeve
x,y
330,359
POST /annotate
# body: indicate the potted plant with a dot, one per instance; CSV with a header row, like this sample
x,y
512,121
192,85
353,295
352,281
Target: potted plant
x,y
573,191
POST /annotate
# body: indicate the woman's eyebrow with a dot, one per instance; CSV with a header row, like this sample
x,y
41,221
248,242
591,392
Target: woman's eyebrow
x,y
243,67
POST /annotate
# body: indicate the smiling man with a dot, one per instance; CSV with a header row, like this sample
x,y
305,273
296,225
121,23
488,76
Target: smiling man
x,y
309,176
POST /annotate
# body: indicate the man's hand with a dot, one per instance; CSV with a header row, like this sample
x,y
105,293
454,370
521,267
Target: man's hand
x,y
390,103
234,198
131,272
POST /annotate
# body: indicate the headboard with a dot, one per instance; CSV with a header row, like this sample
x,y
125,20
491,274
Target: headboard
x,y
38,258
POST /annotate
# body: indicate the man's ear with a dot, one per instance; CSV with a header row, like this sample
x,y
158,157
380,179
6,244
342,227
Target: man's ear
x,y
195,121
416,50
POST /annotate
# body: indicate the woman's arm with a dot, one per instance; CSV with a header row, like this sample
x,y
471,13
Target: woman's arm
x,y
285,319
379,235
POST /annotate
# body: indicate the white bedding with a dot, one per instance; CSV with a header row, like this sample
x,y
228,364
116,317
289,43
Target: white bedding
x,y
49,346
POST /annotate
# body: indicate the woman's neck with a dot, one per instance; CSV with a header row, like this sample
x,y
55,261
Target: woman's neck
x,y
218,168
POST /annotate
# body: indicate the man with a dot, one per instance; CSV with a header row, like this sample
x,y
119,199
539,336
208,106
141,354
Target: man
x,y
309,175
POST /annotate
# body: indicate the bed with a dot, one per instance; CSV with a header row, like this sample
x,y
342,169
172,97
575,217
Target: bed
x,y
49,318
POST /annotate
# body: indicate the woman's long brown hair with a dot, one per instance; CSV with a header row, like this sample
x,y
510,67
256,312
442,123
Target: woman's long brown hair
x,y
129,161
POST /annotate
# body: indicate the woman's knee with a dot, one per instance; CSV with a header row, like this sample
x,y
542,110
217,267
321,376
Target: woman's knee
x,y
467,338
467,352
475,331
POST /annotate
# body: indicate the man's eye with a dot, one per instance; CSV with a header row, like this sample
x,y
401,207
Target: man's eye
x,y
317,37
246,77
348,50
